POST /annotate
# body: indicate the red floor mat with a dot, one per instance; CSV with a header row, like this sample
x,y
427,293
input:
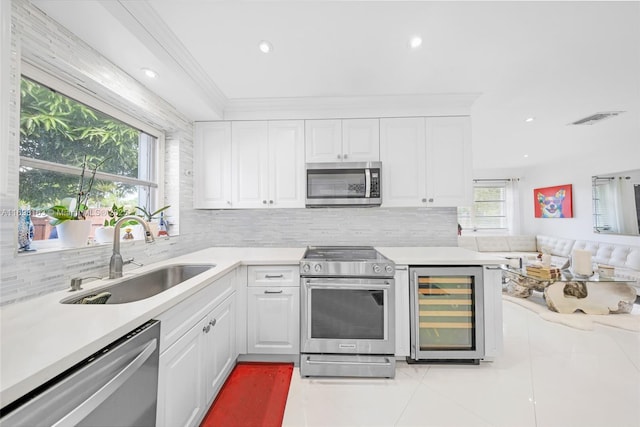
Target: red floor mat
x,y
254,395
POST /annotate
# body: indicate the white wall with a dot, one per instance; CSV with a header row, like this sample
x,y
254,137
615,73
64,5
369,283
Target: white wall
x,y
619,153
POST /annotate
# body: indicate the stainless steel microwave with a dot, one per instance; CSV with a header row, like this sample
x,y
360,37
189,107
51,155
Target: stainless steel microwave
x,y
344,184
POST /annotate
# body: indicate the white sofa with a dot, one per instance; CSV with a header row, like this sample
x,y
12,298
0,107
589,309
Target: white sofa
x,y
625,259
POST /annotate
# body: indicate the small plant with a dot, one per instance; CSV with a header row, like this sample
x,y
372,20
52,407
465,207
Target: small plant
x,y
149,216
115,213
73,209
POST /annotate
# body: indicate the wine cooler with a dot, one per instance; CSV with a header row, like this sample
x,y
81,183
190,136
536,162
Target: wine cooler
x,y
447,319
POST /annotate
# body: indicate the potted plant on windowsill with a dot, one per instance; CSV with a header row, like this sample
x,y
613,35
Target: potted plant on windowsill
x,y
70,216
104,234
151,216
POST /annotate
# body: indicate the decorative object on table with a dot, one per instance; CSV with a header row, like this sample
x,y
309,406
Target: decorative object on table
x,y
69,217
162,226
590,297
127,234
581,263
553,202
542,272
25,230
149,216
607,271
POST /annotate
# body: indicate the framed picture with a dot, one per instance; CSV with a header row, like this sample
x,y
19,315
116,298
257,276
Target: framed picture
x,y
553,202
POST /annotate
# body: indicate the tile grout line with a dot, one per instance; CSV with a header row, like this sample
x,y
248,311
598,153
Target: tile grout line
x,y
415,390
533,393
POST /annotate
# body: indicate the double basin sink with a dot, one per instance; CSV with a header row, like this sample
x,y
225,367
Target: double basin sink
x,y
141,286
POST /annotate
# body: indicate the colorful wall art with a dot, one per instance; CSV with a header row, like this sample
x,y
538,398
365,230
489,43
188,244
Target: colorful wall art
x,y
553,202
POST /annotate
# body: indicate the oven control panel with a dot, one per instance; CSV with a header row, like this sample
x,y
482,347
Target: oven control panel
x,y
365,269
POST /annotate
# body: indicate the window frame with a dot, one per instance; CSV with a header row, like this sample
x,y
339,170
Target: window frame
x,y
489,183
76,93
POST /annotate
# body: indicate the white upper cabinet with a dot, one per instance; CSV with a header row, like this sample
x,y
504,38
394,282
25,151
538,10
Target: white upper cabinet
x,y
212,165
403,152
267,164
249,164
286,164
323,140
449,161
349,140
426,161
361,140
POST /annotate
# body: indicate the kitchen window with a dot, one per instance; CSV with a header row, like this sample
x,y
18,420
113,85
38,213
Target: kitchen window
x,y
493,206
61,128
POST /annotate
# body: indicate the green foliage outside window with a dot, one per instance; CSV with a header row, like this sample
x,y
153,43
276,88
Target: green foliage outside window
x,y
58,129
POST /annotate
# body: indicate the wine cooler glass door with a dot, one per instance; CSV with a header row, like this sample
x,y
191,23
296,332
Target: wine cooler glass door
x,y
447,317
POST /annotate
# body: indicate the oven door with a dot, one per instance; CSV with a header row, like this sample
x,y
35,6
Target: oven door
x,y
347,316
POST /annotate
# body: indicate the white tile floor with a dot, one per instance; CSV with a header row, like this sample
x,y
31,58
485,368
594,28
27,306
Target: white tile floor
x,y
549,375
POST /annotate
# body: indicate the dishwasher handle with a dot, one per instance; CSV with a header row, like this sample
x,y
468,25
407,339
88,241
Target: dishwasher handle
x,y
86,407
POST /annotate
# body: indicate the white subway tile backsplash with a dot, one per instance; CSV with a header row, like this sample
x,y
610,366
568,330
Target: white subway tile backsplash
x,y
47,45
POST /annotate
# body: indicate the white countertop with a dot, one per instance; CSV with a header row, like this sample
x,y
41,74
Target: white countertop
x,y
41,338
438,256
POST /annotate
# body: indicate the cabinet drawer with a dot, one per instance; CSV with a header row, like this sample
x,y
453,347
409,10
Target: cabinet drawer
x,y
179,319
273,275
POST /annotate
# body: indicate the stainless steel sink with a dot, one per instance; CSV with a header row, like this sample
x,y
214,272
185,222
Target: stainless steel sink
x,y
141,286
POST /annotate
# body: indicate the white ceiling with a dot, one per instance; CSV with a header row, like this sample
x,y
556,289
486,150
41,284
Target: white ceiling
x,y
555,61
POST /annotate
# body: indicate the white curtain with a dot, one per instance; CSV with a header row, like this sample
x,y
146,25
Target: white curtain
x,y
513,206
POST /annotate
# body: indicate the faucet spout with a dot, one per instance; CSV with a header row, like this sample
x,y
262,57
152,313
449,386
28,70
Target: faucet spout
x,y
116,263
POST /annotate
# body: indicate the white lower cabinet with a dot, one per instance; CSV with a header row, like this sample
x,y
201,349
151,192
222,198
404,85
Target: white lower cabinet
x,y
198,352
402,311
273,310
219,355
492,312
273,319
181,382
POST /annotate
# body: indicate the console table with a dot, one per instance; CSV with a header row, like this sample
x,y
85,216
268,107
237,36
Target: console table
x,y
566,294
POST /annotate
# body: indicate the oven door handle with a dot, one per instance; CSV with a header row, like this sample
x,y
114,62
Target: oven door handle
x,y
324,284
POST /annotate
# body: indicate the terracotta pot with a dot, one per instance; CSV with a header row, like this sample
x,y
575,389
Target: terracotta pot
x,y
74,234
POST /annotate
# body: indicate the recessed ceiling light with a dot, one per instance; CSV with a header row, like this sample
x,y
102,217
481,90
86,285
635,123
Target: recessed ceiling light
x,y
265,46
149,73
526,155
529,119
415,42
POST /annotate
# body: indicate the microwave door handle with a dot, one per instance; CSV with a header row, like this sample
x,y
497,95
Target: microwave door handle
x,y
367,183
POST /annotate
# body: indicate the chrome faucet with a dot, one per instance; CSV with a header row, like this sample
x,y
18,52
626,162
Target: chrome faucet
x,y
116,263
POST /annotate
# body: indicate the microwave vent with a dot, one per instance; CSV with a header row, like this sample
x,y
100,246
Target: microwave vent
x,y
597,117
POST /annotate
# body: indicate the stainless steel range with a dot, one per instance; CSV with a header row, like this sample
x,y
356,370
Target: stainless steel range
x,y
347,312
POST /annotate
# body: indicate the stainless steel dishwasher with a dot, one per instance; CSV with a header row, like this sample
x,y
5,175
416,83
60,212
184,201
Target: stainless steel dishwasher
x,y
116,386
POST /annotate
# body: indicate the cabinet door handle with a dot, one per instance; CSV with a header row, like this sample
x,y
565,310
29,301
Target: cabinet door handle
x,y
274,276
270,202
345,156
206,329
213,322
431,200
339,156
264,202
273,292
424,200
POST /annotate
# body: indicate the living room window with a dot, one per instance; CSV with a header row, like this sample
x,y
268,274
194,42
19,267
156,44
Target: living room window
x,y
492,208
61,135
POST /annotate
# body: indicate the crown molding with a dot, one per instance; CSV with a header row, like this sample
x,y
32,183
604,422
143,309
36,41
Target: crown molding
x,y
142,20
445,104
